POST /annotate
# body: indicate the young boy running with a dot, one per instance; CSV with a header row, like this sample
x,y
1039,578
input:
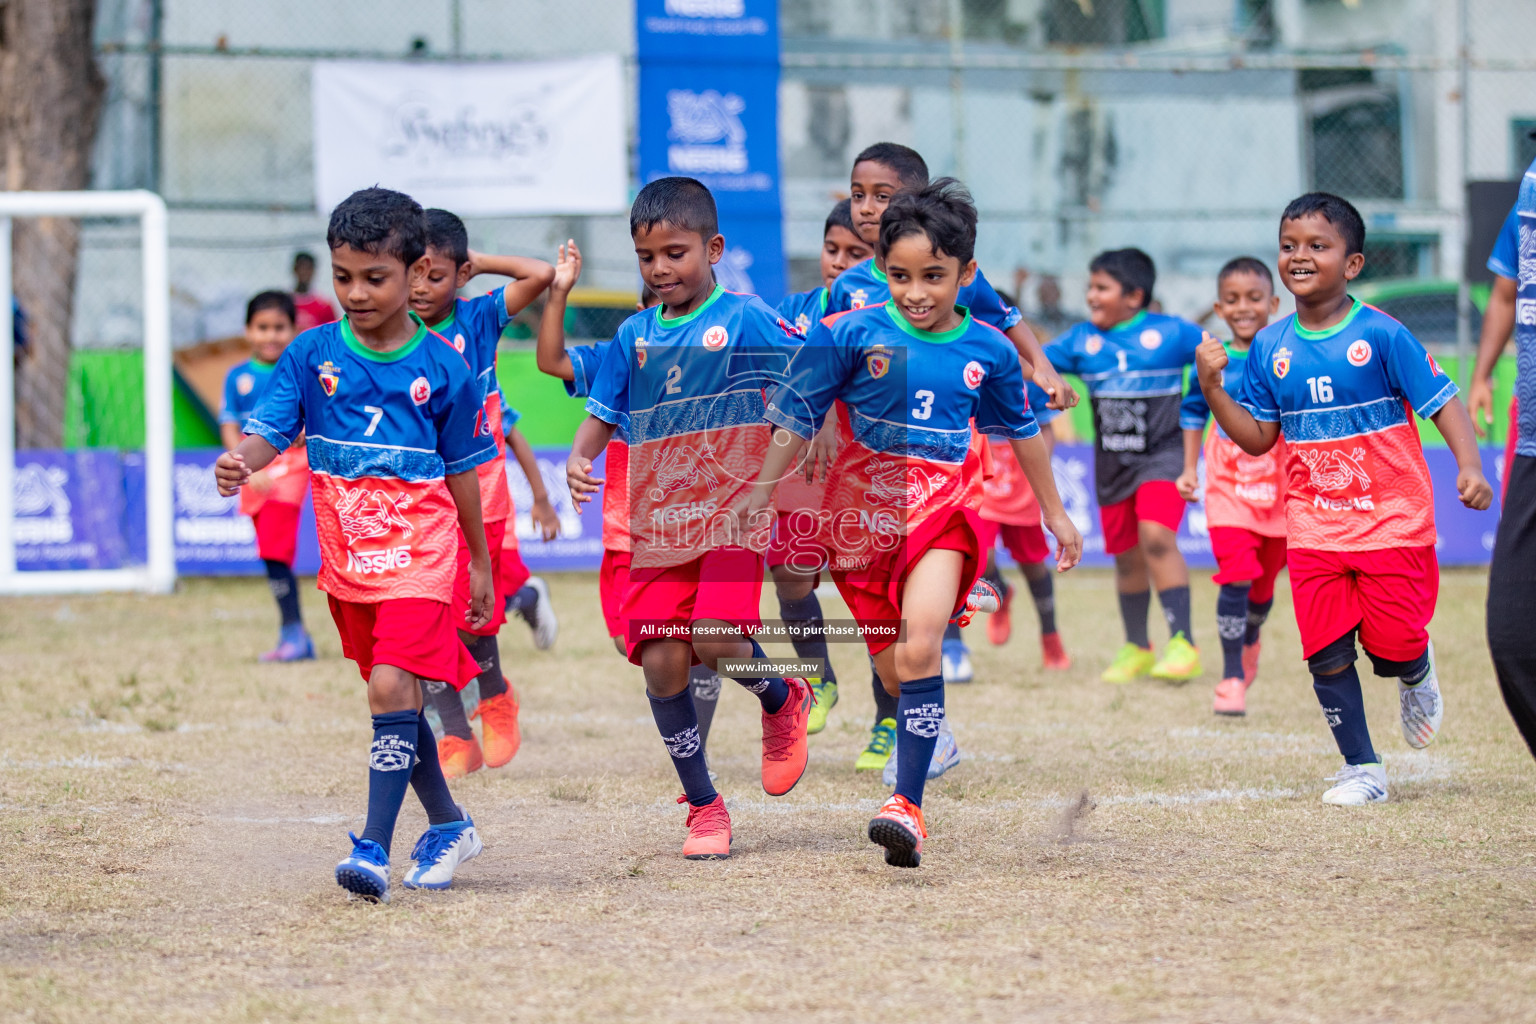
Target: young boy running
x,y
914,374
1010,512
796,567
684,381
1244,494
879,173
393,417
1338,379
275,496
474,327
1133,362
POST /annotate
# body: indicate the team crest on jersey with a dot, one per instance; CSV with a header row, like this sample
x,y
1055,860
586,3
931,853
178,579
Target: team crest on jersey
x,y
1282,363
1094,345
244,383
421,390
329,378
1151,338
974,375
715,338
639,358
458,343
803,322
878,362
1359,353
858,298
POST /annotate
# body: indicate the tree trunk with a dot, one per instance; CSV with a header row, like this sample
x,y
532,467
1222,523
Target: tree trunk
x,y
50,95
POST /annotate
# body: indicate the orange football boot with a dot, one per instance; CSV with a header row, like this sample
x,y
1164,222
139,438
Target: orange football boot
x,y
899,828
1251,662
1053,654
785,750
709,831
1000,624
459,757
499,731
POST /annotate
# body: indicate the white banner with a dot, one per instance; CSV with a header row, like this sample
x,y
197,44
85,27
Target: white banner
x,y
487,139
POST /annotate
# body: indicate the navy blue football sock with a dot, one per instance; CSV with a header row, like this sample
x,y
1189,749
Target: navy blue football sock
x,y
1231,624
449,705
705,684
1175,602
803,618
427,777
1258,612
487,655
391,760
953,635
285,590
678,723
885,704
1344,710
1416,670
523,600
917,733
994,576
1133,613
1043,591
771,691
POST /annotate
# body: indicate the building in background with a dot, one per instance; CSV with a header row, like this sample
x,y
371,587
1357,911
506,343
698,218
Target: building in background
x,y
1180,126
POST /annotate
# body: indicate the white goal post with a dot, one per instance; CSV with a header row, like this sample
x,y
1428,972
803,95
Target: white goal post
x,y
158,574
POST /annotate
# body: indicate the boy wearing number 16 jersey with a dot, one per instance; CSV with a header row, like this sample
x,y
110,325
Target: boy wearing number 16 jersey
x,y
1341,380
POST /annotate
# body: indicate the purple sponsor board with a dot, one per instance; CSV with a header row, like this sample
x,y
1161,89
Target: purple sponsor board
x,y
69,511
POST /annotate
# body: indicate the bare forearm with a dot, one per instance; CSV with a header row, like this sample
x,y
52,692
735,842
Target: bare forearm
x,y
550,351
1246,432
1192,441
1029,348
529,276
1455,425
257,452
522,451
783,450
591,438
465,489
1035,459
1498,324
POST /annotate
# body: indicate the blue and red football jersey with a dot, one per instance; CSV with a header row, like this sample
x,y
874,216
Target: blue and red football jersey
x,y
474,328
865,284
1504,260
383,431
688,395
1241,490
585,362
803,309
1134,373
1525,314
243,387
910,397
1355,473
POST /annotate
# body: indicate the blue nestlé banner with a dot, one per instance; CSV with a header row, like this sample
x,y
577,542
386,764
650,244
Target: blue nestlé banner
x,y
85,510
709,109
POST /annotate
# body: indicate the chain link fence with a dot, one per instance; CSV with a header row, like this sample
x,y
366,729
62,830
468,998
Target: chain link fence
x,y
1180,126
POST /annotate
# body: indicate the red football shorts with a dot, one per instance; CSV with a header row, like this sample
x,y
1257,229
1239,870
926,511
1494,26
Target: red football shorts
x,y
277,531
1389,593
494,534
1243,556
724,584
410,633
612,582
875,594
1026,544
511,570
1156,501
791,545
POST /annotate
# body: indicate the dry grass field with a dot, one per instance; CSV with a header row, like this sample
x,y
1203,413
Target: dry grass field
x,y
170,813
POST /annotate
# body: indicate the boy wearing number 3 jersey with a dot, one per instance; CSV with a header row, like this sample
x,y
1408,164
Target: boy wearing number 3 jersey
x,y
1340,381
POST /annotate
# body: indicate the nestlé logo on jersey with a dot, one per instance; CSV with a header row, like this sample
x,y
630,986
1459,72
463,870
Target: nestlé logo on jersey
x,y
974,375
1359,353
715,338
330,378
1282,363
421,391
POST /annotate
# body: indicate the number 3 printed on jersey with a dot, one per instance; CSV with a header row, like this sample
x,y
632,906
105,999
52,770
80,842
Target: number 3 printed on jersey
x,y
925,409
